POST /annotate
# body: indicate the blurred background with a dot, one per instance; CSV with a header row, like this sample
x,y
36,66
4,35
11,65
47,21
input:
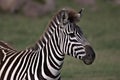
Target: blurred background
x,y
22,22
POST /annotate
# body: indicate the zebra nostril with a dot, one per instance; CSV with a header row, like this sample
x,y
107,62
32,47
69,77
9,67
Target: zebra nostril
x,y
90,55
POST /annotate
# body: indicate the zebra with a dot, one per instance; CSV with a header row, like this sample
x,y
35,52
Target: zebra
x,y
44,60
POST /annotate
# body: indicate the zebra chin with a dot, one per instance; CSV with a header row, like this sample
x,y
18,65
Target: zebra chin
x,y
90,55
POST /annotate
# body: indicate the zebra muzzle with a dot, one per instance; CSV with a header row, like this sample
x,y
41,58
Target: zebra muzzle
x,y
90,55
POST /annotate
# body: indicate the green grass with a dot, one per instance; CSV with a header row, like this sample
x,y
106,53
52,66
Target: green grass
x,y
101,27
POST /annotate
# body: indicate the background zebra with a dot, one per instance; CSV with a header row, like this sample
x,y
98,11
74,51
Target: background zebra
x,y
44,60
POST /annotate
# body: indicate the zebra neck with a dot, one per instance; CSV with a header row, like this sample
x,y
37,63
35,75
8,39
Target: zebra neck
x,y
50,38
46,37
51,33
49,48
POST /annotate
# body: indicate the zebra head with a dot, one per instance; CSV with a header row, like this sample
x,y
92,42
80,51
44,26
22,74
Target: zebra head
x,y
72,41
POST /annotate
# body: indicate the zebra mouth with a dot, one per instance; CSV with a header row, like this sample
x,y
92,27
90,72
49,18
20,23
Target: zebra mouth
x,y
90,55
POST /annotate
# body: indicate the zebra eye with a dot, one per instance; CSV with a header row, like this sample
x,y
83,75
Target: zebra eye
x,y
71,34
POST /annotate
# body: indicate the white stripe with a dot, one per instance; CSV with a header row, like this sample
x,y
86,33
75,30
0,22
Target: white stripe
x,y
33,65
4,55
54,24
57,20
36,67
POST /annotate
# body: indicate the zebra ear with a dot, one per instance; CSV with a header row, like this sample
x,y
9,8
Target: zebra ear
x,y
80,12
64,15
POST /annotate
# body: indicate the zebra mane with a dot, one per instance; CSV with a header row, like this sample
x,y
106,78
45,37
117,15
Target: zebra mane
x,y
72,14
